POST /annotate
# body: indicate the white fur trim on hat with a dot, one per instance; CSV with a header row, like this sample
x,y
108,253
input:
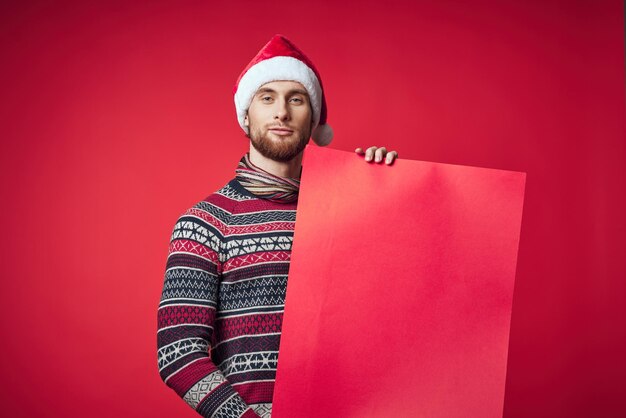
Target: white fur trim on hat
x,y
275,69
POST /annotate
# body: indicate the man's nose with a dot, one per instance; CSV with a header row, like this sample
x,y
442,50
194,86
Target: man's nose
x,y
282,110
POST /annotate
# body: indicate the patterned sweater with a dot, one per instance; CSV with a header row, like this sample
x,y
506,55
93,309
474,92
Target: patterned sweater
x,y
220,314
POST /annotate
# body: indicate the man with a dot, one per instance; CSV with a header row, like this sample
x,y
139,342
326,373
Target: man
x,y
220,315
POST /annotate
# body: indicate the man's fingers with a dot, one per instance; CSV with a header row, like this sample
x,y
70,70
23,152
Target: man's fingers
x,y
380,152
369,154
391,157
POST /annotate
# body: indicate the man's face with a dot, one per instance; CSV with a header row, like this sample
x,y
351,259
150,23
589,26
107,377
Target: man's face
x,y
279,120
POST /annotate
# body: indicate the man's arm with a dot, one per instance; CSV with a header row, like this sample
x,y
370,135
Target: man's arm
x,y
186,317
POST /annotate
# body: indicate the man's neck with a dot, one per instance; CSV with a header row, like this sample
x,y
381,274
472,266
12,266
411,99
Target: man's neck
x,y
290,168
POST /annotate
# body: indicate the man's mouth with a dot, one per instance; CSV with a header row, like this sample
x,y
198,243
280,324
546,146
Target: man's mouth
x,y
281,131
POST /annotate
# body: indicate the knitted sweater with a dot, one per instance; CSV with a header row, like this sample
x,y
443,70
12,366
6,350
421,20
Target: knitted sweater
x,y
220,314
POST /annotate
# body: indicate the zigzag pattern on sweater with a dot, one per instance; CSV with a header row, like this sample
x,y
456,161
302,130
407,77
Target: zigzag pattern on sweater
x,y
204,291
235,219
256,258
191,228
252,284
245,246
266,292
243,230
189,284
217,212
263,217
229,192
254,302
188,297
194,277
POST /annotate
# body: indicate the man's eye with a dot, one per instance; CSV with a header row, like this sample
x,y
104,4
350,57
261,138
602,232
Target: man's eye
x,y
297,99
266,98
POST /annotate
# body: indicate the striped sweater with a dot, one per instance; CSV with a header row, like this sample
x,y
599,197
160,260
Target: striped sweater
x,y
221,310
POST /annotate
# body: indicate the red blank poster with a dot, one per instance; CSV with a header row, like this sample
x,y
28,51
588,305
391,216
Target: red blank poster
x,y
400,289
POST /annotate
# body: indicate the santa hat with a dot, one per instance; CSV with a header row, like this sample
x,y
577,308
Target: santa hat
x,y
280,59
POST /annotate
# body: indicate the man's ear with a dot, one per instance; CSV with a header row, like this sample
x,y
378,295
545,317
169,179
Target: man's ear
x,y
245,121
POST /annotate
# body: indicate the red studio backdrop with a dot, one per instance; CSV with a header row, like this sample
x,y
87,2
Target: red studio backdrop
x,y
117,117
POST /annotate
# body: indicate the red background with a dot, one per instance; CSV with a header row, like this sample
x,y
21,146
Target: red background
x,y
115,118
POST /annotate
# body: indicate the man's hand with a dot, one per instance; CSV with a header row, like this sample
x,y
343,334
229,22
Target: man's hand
x,y
377,154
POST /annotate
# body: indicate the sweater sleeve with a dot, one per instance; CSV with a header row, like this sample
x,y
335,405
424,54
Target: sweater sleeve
x,y
186,317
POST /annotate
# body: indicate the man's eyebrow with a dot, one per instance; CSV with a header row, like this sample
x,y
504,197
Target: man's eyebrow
x,y
292,91
265,90
303,92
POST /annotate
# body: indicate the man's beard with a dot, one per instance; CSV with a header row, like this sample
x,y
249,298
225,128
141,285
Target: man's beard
x,y
282,150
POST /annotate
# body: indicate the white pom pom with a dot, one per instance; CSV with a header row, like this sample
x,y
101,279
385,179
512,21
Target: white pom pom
x,y
322,135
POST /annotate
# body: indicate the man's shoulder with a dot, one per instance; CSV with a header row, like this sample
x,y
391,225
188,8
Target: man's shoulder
x,y
228,196
221,203
231,194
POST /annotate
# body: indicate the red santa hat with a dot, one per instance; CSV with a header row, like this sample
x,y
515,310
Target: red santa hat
x,y
280,59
